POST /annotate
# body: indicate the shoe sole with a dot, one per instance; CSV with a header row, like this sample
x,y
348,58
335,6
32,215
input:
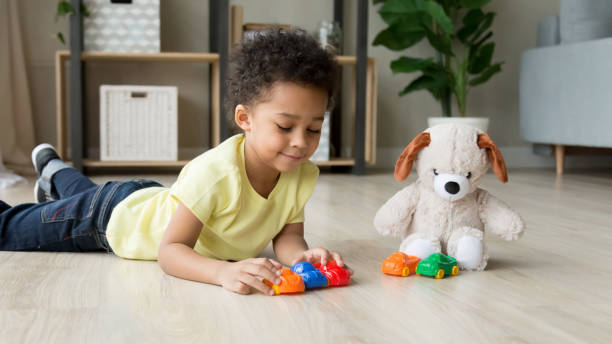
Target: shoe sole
x,y
35,153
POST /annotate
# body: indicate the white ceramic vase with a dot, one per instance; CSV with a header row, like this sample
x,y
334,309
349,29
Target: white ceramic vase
x,y
481,123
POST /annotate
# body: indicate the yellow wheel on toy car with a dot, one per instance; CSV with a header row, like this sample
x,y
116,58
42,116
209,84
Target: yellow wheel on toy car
x,y
405,271
440,274
276,289
455,271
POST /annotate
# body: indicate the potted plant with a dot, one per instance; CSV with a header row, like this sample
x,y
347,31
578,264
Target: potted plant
x,y
459,32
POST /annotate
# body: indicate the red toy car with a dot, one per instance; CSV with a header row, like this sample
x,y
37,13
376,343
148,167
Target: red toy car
x,y
336,275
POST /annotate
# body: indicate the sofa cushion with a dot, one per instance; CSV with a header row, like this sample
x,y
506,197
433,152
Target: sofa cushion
x,y
584,20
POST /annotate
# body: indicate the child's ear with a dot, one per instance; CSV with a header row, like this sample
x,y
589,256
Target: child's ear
x,y
242,118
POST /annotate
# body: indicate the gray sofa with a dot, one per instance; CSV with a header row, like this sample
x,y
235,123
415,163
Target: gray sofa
x,y
565,87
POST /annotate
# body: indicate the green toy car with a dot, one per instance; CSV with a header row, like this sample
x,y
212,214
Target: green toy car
x,y
438,265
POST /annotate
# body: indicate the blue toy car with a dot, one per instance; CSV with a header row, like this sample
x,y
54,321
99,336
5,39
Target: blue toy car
x,y
312,277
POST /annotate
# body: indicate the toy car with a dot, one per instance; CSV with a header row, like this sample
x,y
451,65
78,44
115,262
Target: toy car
x,y
438,265
400,264
312,277
336,275
290,283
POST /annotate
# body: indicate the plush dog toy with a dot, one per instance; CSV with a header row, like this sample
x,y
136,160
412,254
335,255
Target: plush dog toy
x,y
444,210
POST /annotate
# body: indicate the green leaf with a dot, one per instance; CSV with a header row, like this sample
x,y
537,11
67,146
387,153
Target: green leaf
x,y
437,13
441,43
63,8
484,26
447,4
486,75
482,40
400,7
392,9
409,64
84,10
60,37
378,1
482,59
415,18
434,82
471,4
475,48
471,21
400,36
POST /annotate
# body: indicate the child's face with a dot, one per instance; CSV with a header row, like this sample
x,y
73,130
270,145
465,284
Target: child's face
x,y
284,129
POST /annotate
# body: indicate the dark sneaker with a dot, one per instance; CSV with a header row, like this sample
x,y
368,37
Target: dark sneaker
x,y
40,195
41,155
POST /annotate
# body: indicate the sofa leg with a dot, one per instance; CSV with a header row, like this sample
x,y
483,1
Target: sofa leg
x,y
559,157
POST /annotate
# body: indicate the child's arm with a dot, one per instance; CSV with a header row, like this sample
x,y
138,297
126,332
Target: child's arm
x,y
177,258
290,243
290,247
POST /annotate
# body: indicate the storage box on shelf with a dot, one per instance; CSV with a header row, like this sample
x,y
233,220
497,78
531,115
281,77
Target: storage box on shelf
x,y
138,123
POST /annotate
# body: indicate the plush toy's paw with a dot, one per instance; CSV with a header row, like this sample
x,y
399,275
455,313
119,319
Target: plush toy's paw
x,y
515,230
419,247
469,253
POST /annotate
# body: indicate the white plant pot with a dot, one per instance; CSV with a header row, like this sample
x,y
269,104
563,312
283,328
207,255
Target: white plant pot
x,y
481,123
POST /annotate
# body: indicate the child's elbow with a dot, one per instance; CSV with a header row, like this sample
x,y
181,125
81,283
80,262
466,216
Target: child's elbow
x,y
162,258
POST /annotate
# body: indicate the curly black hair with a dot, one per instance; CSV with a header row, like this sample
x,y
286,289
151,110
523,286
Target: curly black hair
x,y
278,55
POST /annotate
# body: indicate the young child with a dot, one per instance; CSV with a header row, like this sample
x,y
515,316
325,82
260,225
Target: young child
x,y
227,204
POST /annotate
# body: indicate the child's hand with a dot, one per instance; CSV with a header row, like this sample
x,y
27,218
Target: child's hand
x,y
321,255
240,276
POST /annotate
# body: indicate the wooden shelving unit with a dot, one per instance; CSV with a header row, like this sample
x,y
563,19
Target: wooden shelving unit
x,y
60,64
364,92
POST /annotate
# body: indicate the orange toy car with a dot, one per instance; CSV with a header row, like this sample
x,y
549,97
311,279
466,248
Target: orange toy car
x,y
400,264
291,282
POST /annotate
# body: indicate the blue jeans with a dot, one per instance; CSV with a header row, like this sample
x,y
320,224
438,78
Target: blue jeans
x,y
74,222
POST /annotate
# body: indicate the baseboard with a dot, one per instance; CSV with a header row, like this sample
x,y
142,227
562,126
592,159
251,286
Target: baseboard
x,y
515,157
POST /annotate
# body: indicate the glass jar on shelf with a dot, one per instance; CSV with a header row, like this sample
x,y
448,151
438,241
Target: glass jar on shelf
x,y
329,35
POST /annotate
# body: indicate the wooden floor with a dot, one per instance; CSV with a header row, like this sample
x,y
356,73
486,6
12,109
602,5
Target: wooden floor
x,y
552,286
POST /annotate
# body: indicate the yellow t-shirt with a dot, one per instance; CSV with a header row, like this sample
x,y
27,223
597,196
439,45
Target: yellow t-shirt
x,y
238,223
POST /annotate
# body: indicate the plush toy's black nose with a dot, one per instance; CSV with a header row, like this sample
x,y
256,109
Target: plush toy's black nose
x,y
451,187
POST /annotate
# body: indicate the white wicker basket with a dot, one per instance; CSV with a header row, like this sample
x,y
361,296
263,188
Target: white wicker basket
x,y
138,123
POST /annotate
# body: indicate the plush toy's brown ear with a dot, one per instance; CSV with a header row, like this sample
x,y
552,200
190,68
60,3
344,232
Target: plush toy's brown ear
x,y
403,165
495,157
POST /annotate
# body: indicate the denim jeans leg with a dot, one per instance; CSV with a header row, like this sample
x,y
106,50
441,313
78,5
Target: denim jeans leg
x,y
3,207
47,174
69,182
75,224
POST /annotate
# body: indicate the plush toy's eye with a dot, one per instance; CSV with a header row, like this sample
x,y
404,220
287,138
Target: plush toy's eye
x,y
469,175
435,172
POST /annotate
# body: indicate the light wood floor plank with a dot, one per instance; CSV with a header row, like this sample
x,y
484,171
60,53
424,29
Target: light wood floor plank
x,y
552,286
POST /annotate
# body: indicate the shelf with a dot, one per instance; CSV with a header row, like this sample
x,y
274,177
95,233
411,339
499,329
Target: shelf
x,y
154,57
62,56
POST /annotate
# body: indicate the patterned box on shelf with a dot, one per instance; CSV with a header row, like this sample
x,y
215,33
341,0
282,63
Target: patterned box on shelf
x,y
322,153
122,26
138,123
